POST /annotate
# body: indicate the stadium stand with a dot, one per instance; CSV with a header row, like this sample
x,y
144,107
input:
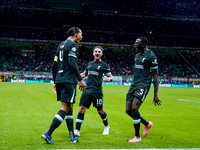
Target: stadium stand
x,y
32,23
172,28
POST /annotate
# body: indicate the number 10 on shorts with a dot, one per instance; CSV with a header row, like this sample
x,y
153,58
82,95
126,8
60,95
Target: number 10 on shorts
x,y
99,102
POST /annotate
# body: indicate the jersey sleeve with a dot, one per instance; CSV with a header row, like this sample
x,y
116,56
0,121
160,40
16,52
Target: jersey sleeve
x,y
74,68
73,51
107,70
153,62
87,68
56,56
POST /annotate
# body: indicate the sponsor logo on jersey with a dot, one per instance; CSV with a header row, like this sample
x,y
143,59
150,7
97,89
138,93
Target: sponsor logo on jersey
x,y
139,66
93,73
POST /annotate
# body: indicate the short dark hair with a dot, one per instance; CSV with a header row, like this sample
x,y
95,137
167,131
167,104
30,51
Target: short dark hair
x,y
72,31
99,48
144,40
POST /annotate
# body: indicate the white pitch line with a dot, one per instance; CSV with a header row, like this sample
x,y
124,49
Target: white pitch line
x,y
187,100
135,149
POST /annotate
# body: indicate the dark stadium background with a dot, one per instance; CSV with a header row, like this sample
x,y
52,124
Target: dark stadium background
x,y
30,31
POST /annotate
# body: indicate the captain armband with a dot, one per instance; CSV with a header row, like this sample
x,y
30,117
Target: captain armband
x,y
56,58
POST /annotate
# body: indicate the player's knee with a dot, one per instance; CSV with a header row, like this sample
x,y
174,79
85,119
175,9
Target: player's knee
x,y
70,106
134,109
100,111
64,107
128,112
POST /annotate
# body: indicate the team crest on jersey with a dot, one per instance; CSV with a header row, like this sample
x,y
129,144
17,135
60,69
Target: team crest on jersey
x,y
74,49
155,61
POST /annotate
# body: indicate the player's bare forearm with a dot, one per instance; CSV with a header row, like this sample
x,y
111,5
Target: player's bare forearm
x,y
54,88
83,74
156,100
155,81
109,78
54,68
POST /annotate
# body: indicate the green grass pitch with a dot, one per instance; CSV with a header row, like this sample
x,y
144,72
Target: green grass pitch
x,y
27,110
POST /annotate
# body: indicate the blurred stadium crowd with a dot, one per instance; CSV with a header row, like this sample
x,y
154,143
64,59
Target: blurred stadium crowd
x,y
172,23
171,64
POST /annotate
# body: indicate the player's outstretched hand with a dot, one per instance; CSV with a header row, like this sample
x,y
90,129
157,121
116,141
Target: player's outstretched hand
x,y
156,101
54,88
82,86
107,79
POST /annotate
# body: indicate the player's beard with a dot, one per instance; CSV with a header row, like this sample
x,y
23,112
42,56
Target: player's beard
x,y
77,41
97,57
139,49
